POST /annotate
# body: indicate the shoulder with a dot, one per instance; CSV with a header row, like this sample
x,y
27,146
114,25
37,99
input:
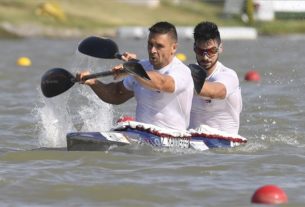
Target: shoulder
x,y
178,64
176,61
225,75
179,72
223,70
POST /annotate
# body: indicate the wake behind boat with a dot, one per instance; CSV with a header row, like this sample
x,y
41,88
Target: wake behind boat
x,y
135,133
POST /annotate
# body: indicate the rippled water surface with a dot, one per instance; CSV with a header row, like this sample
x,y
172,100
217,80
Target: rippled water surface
x,y
36,169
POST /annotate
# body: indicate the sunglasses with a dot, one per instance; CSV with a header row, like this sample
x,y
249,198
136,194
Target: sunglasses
x,y
209,52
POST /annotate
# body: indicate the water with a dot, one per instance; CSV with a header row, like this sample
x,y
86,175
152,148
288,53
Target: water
x,y
36,170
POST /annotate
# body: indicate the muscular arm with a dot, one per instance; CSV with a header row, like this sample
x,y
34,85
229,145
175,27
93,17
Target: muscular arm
x,y
113,93
214,90
158,82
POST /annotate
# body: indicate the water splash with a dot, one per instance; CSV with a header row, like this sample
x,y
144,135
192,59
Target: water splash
x,y
78,109
91,112
52,122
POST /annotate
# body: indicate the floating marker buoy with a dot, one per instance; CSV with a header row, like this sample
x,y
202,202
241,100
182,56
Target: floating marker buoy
x,y
181,56
252,75
269,194
24,61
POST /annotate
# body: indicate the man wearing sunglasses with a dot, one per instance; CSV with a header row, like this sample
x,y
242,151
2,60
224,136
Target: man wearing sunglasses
x,y
219,103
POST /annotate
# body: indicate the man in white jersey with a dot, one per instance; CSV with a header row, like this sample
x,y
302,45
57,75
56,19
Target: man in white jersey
x,y
166,99
219,103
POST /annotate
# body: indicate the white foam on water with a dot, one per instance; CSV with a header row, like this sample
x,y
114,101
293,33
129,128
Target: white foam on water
x,y
53,122
77,109
95,114
176,150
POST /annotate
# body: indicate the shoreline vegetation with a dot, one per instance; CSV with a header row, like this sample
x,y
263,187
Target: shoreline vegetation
x,y
78,18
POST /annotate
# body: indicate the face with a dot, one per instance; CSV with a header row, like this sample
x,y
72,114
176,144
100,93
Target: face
x,y
161,49
207,53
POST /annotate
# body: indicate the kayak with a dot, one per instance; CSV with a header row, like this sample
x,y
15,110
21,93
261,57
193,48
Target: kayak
x,y
137,133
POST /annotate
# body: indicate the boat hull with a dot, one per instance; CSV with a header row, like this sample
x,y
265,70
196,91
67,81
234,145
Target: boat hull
x,y
135,134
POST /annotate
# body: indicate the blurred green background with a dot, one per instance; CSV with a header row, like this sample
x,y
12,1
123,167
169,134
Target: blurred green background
x,y
68,18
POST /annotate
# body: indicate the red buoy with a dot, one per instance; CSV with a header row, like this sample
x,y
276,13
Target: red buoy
x,y
252,75
269,194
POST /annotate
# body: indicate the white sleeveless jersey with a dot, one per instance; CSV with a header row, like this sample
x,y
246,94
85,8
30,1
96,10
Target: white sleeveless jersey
x,y
222,114
168,110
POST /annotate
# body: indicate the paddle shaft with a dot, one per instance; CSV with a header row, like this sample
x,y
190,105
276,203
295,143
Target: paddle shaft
x,y
58,80
119,56
101,74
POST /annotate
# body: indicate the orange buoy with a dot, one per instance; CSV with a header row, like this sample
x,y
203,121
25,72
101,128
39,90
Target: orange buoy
x,y
269,194
252,75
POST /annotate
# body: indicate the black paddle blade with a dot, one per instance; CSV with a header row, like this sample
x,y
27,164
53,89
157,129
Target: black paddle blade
x,y
56,81
199,74
98,47
136,68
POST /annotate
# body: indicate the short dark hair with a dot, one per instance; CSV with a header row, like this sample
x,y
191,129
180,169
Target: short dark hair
x,y
164,28
205,31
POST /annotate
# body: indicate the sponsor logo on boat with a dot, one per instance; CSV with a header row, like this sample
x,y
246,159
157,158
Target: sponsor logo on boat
x,y
175,143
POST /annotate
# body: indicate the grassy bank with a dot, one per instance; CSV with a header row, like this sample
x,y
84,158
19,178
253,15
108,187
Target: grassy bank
x,y
78,17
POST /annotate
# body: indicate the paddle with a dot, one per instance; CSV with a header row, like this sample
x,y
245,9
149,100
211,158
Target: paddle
x,y
199,74
108,49
58,80
100,48
105,48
